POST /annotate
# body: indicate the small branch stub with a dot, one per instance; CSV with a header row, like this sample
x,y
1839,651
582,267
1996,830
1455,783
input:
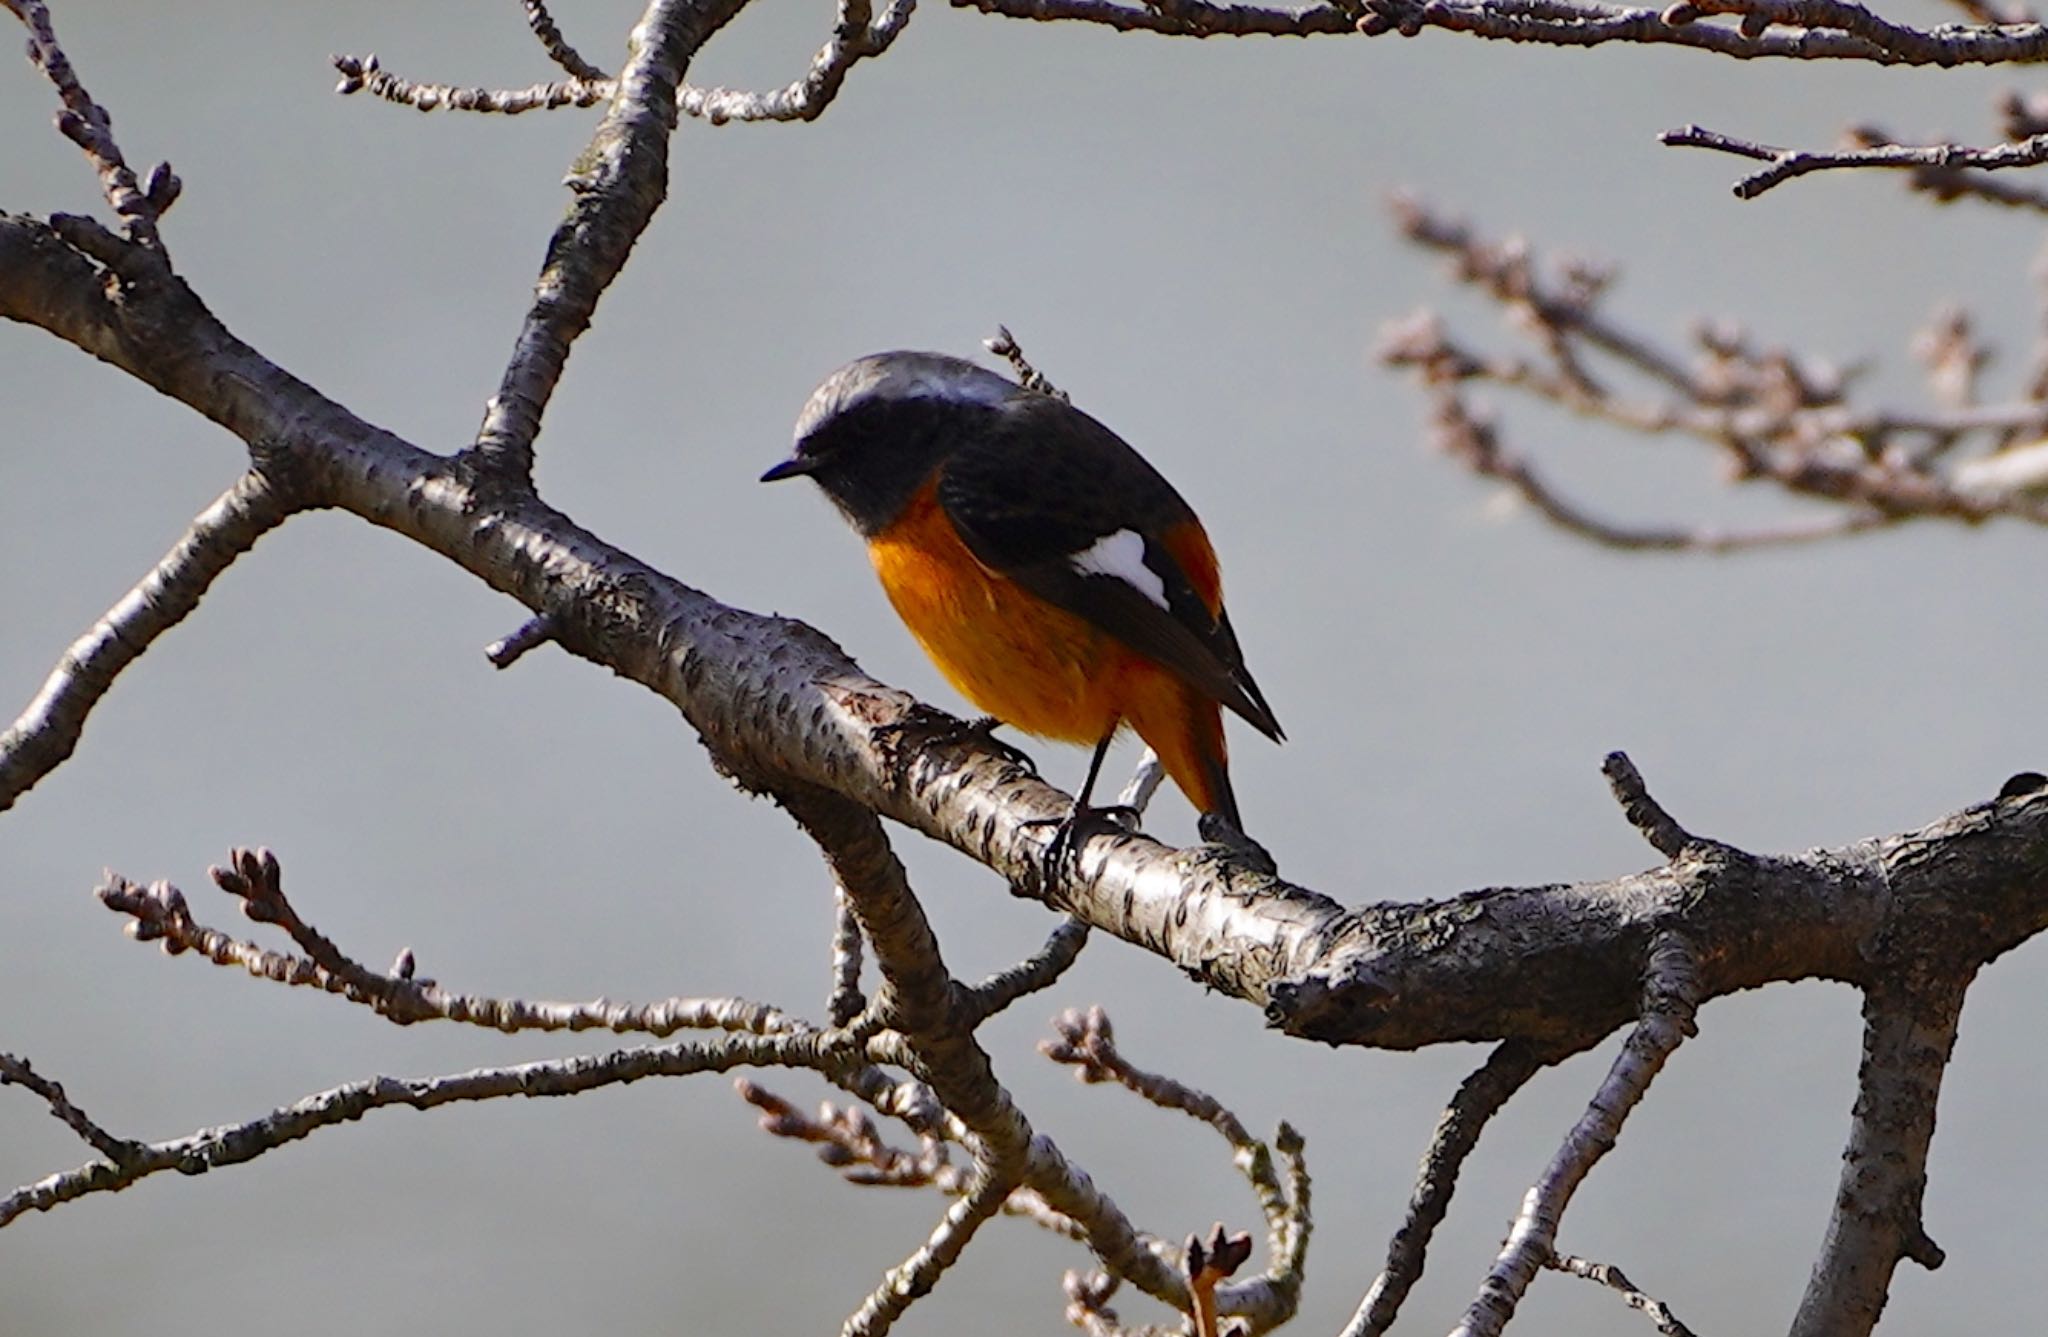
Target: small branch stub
x,y
1644,813
536,631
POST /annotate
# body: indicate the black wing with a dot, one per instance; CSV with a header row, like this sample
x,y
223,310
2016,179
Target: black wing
x,y
1047,487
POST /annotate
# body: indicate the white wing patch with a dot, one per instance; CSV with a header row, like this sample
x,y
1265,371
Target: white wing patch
x,y
1122,556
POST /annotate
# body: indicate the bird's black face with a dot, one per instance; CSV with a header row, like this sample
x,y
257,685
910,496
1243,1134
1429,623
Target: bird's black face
x,y
873,455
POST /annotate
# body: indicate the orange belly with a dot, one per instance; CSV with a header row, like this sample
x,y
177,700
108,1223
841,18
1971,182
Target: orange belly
x,y
1033,665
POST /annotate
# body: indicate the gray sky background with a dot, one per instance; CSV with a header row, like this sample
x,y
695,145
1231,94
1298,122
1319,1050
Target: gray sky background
x,y
1192,239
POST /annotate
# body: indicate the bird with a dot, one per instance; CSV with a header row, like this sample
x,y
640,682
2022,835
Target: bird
x,y
1054,577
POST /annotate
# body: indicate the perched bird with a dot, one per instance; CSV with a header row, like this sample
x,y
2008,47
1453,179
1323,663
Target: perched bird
x,y
1053,575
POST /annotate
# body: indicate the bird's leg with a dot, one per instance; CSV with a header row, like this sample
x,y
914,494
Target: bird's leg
x,y
1084,820
1121,814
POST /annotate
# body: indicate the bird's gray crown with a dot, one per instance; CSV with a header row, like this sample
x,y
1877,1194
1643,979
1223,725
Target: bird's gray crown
x,y
903,375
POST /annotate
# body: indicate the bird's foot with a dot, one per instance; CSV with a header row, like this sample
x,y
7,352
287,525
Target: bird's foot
x,y
1072,833
930,726
983,731
1217,830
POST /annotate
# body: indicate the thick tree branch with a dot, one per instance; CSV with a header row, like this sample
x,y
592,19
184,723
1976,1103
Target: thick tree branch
x,y
49,728
1908,919
934,1020
778,703
618,183
1909,1031
848,956
1823,29
1177,18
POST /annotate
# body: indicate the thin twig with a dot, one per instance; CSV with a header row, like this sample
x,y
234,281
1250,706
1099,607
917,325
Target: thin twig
x,y
848,1141
1479,1097
1088,1295
159,913
1947,184
1005,346
987,1188
1038,971
1910,1016
557,46
1771,416
1475,443
367,74
1507,271
1671,993
1785,164
1086,1039
1612,1277
87,124
856,36
119,1151
235,1144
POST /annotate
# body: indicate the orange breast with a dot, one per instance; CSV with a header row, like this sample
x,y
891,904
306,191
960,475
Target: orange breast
x,y
1036,666
1013,655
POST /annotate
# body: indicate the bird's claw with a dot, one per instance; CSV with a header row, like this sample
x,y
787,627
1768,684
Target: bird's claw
x,y
983,731
1072,833
935,727
1216,829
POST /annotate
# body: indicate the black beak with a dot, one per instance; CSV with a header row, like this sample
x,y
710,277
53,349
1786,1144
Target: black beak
x,y
793,467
